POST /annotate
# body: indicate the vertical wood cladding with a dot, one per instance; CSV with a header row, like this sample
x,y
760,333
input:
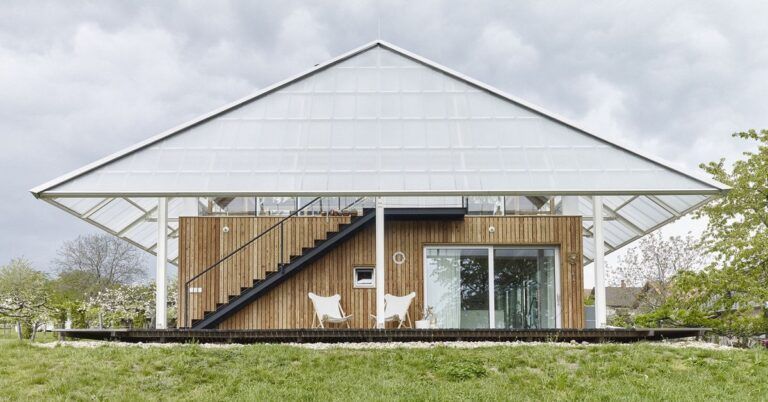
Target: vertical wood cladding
x,y
287,305
203,241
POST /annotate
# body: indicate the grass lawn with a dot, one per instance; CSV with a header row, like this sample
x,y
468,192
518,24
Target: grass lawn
x,y
271,372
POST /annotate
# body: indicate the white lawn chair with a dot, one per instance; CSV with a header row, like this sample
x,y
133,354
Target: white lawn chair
x,y
396,309
328,310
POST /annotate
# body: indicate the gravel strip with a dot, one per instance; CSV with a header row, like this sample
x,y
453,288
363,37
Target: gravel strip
x,y
475,345
99,344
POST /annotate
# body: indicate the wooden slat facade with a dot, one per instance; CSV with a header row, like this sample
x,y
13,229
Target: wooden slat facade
x,y
287,305
203,242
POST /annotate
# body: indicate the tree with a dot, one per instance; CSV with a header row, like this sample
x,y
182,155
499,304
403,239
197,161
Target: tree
x,y
131,305
730,294
737,234
654,262
93,263
24,295
67,300
173,301
124,304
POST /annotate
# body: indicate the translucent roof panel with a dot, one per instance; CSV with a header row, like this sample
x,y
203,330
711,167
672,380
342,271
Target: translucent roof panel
x,y
627,218
681,203
379,121
133,220
117,214
81,205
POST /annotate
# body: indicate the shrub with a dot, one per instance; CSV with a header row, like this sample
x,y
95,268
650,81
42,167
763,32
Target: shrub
x,y
463,370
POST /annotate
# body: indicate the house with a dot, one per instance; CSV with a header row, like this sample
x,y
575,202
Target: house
x,y
622,299
617,297
379,172
619,301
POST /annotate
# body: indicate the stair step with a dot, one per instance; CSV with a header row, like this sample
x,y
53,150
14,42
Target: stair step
x,y
270,273
231,297
305,250
243,289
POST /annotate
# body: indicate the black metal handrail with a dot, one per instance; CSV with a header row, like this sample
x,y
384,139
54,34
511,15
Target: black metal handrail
x,y
279,224
353,203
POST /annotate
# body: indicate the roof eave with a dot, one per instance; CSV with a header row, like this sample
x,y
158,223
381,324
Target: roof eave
x,y
372,193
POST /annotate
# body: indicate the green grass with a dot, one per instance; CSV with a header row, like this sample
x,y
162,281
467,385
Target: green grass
x,y
271,372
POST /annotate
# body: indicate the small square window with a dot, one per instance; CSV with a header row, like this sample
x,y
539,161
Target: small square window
x,y
365,277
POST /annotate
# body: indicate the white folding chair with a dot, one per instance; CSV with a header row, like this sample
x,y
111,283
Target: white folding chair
x,y
396,309
328,310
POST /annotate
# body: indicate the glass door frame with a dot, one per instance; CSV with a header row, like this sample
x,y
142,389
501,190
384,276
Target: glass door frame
x,y
492,272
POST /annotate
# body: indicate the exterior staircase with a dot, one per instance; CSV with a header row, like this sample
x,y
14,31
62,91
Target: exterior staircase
x,y
296,263
283,271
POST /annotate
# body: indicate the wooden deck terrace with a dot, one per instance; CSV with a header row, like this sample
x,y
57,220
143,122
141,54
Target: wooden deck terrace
x,y
381,335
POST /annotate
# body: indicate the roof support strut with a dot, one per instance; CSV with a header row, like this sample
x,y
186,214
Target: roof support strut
x,y
161,302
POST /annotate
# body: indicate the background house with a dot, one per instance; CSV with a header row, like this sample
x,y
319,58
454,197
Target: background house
x,y
619,300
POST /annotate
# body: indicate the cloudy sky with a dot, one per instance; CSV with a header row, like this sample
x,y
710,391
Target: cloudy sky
x,y
80,80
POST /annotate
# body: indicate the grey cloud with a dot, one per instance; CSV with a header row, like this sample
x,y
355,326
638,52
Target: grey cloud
x,y
79,80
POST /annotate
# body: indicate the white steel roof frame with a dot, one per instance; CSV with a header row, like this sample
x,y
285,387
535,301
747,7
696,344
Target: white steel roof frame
x,y
48,191
172,231
640,232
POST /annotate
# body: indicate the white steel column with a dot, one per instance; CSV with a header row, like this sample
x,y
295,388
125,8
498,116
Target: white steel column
x,y
599,261
380,260
161,303
492,298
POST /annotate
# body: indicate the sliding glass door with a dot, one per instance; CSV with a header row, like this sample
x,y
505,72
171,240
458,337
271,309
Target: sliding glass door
x,y
509,287
458,286
524,288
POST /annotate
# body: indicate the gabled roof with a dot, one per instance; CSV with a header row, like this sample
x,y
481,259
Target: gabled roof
x,y
376,121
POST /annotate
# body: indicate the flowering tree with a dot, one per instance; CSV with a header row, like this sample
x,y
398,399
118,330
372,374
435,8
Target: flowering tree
x,y
731,293
24,295
173,301
131,305
654,262
124,305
